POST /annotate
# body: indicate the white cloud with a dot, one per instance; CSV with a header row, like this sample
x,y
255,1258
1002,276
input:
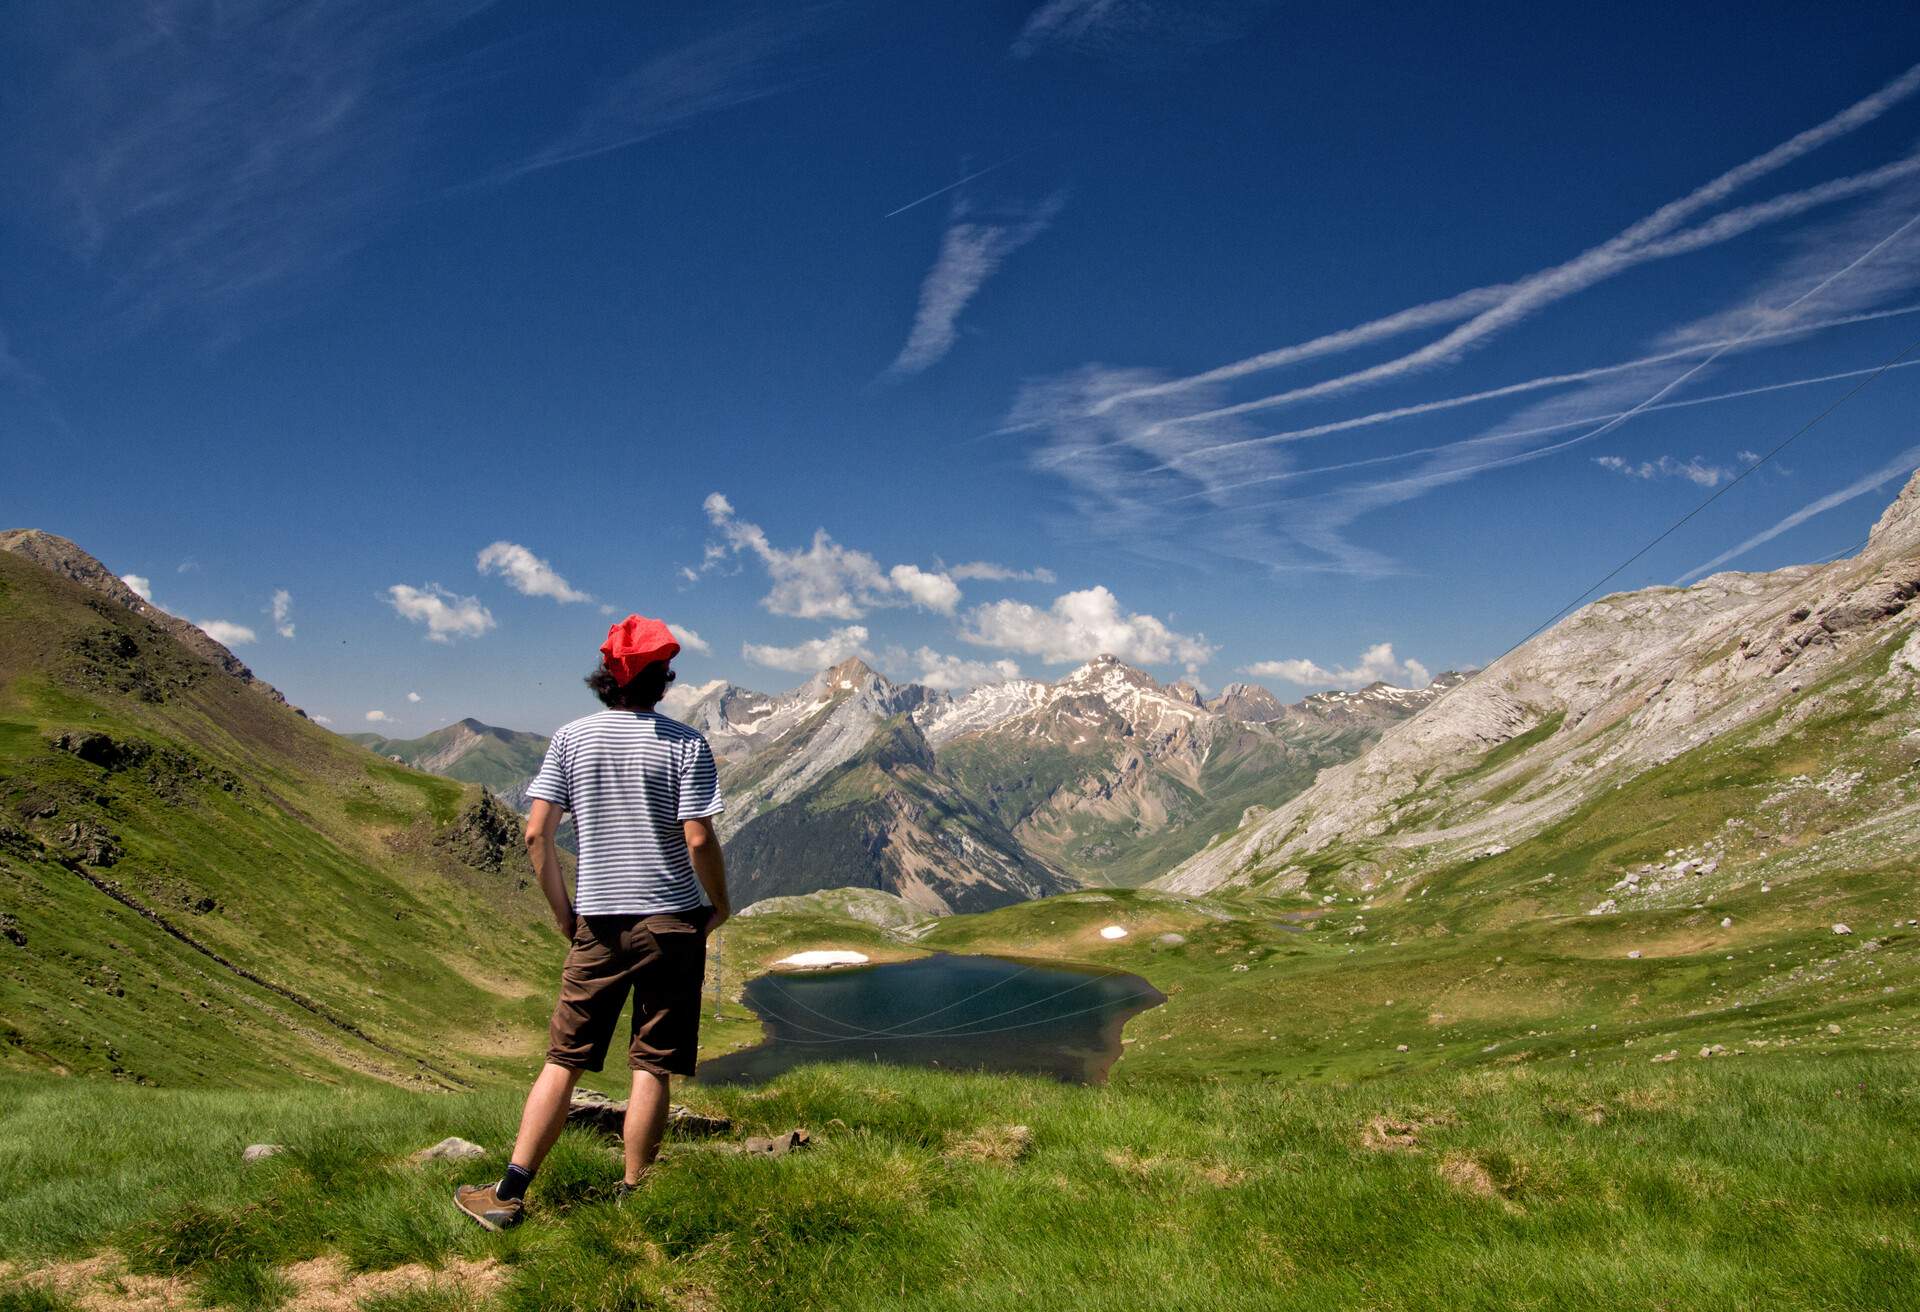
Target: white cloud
x,y
994,573
814,654
446,615
949,673
379,717
413,697
689,640
1747,457
526,573
322,719
226,632
681,696
1695,470
1079,626
142,586
930,591
1376,665
970,253
283,612
826,581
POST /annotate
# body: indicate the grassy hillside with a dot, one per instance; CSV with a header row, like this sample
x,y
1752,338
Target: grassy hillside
x,y
200,884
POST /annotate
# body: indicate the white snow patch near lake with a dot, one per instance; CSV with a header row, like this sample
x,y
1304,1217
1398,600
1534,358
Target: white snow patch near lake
x,y
824,957
1113,931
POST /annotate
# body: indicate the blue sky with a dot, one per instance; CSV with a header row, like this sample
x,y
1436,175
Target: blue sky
x,y
1005,333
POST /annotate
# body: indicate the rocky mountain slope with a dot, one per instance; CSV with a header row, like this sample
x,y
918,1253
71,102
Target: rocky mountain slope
x,y
849,794
1116,778
196,879
1005,792
1754,695
505,760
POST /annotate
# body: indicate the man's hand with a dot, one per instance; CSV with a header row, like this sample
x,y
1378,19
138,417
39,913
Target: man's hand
x,y
703,845
542,825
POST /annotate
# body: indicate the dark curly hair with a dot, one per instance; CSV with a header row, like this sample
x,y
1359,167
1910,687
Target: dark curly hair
x,y
640,693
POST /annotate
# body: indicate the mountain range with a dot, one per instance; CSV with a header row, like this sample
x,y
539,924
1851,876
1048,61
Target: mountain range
x,y
195,877
1005,792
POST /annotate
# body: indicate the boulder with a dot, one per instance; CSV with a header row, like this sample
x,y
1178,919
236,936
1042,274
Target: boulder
x,y
595,1111
259,1152
775,1146
452,1149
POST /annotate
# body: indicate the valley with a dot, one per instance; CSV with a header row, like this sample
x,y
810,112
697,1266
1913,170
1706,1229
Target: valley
x,y
1600,966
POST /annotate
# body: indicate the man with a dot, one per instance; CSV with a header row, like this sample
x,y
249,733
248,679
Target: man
x,y
651,888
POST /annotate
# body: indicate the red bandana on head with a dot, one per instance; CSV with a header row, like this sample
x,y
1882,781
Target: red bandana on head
x,y
635,643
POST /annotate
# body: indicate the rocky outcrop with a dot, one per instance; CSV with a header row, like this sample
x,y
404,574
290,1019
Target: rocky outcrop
x,y
1623,685
485,832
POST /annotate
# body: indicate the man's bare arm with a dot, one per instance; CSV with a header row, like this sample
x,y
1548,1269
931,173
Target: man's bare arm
x,y
542,826
703,845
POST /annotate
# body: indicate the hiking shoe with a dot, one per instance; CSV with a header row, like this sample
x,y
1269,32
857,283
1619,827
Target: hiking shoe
x,y
479,1202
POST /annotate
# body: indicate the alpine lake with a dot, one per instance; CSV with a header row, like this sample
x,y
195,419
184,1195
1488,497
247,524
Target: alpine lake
x,y
946,1011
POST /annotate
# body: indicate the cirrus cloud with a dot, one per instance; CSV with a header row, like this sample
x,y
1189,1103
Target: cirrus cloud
x,y
996,573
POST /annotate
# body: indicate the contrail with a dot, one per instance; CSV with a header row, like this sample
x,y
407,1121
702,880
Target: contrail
x,y
1901,464
977,173
1513,389
1576,275
1507,434
1528,292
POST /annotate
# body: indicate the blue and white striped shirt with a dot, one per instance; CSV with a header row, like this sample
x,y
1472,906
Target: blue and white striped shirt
x,y
630,778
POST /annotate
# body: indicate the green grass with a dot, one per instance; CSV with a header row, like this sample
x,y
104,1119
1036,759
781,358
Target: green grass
x,y
1719,1184
279,906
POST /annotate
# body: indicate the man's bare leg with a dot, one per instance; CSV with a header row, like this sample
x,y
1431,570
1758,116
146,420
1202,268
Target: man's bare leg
x,y
544,1116
646,1122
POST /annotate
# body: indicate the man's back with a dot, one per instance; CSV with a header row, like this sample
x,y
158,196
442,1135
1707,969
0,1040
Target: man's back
x,y
631,778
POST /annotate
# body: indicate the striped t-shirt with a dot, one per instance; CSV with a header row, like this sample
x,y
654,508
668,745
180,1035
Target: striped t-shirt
x,y
630,778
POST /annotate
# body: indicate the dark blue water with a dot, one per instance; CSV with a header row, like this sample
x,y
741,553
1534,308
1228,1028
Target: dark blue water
x,y
951,1012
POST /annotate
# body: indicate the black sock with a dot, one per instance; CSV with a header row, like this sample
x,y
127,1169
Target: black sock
x,y
514,1183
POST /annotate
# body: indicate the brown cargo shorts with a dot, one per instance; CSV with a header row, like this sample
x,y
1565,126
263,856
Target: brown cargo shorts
x,y
662,961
